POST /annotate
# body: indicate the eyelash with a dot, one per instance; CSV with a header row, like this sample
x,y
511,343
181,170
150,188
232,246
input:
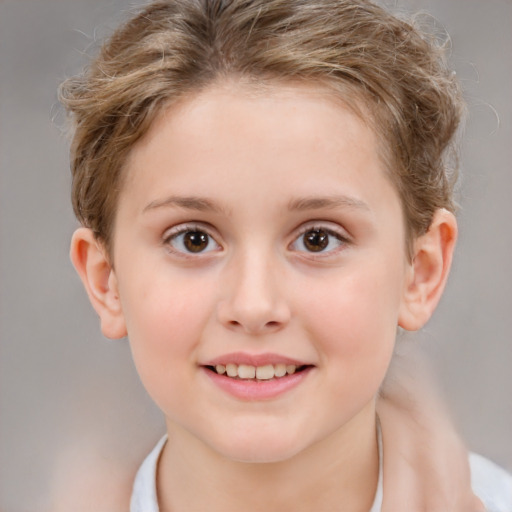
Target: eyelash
x,y
342,239
173,234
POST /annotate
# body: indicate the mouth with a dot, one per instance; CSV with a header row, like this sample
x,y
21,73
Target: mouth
x,y
256,377
256,373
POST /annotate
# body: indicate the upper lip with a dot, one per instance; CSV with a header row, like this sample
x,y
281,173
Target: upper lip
x,y
239,358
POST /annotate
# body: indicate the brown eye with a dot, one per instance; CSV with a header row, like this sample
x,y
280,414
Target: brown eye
x,y
195,241
316,240
320,240
192,241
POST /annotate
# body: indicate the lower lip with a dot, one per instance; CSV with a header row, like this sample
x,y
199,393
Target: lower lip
x,y
258,390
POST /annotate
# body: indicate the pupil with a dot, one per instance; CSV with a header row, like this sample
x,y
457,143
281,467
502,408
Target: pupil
x,y
195,241
316,240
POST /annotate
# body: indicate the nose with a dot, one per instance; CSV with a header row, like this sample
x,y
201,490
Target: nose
x,y
253,303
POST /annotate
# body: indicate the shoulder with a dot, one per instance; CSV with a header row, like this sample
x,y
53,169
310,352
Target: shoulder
x,y
144,497
492,484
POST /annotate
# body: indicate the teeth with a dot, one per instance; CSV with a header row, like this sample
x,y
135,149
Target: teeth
x,y
280,370
265,372
246,371
232,370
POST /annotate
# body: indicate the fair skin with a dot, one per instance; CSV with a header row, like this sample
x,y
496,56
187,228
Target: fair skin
x,y
425,468
428,468
262,229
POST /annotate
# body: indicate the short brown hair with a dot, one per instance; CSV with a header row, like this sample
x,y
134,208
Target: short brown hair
x,y
174,48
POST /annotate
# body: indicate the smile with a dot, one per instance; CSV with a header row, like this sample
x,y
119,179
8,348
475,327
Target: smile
x,y
250,372
256,377
255,382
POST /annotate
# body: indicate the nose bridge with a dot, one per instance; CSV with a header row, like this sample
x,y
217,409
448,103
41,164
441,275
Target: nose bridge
x,y
254,301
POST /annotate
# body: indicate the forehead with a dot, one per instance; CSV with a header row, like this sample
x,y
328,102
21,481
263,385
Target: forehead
x,y
296,137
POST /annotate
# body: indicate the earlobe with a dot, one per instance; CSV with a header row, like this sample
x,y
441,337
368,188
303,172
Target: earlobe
x,y
92,264
428,271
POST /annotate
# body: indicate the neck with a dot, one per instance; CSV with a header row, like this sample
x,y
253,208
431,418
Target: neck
x,y
338,473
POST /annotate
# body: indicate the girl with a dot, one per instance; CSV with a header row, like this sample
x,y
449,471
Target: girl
x,y
266,194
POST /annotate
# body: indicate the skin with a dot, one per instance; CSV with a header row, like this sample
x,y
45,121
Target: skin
x,y
427,469
252,163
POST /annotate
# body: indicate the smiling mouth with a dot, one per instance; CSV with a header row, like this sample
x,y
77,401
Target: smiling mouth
x,y
256,373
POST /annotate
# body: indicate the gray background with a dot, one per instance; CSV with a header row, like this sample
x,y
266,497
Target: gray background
x,y
68,397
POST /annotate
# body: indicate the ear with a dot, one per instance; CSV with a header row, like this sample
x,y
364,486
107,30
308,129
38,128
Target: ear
x,y
428,271
92,264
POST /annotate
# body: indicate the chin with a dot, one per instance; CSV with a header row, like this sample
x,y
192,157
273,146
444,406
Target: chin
x,y
259,448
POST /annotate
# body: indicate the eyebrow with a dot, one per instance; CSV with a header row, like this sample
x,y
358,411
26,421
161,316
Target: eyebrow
x,y
314,203
200,204
300,204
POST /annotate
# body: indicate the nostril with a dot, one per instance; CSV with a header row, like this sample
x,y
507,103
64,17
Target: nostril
x,y
266,326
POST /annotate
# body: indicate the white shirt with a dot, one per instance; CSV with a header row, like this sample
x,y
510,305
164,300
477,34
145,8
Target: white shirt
x,y
490,483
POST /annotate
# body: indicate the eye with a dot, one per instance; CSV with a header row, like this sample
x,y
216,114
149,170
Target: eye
x,y
318,240
191,240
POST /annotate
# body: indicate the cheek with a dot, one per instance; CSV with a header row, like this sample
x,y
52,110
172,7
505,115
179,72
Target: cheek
x,y
354,321
165,321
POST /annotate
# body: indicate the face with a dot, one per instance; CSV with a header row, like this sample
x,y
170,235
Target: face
x,y
257,235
